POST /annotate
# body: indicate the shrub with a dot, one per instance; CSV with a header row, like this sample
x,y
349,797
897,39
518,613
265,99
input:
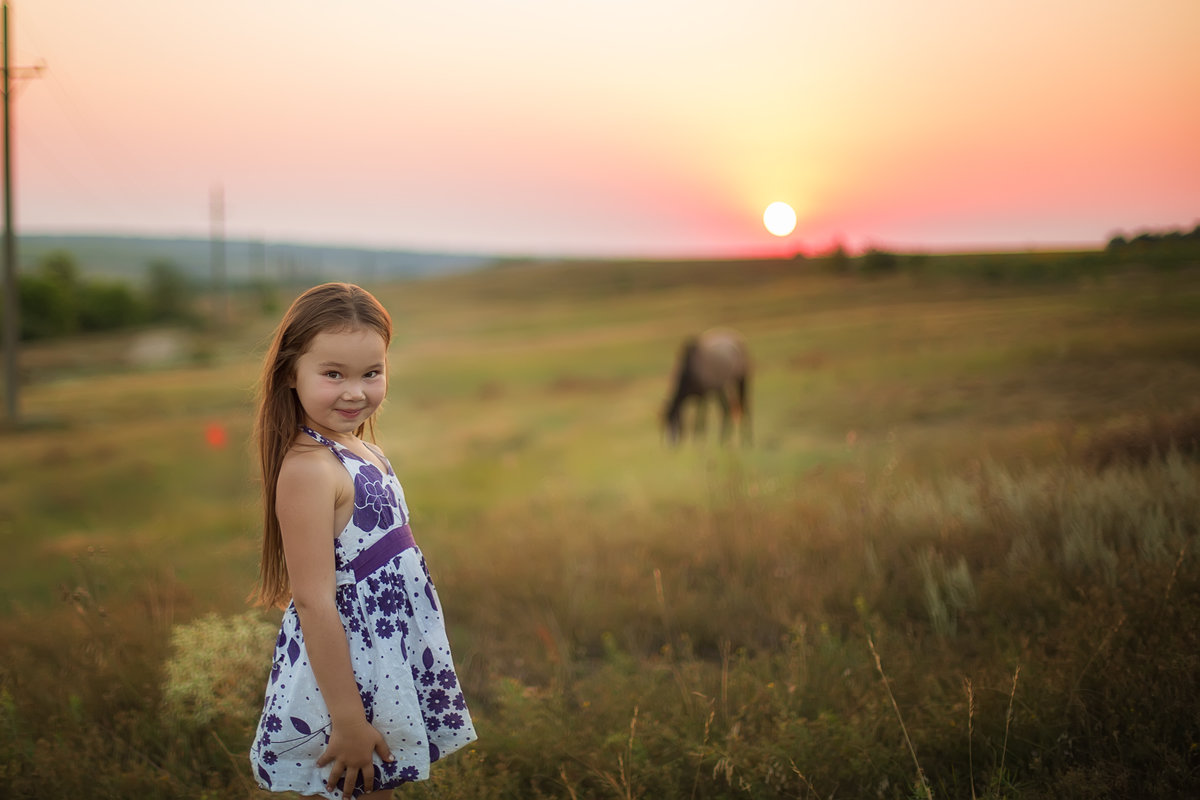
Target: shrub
x,y
168,292
55,302
47,307
108,306
877,262
211,674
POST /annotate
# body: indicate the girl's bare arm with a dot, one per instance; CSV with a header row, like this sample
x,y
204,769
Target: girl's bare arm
x,y
307,495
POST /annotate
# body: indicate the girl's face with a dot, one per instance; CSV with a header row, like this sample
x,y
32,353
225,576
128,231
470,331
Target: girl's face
x,y
341,380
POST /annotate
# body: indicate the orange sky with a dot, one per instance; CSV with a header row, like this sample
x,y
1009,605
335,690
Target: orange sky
x,y
611,127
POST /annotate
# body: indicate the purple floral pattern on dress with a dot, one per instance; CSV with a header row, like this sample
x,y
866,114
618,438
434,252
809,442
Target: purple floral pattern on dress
x,y
373,501
437,701
399,651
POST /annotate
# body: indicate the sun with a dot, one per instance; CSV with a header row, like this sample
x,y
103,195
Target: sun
x,y
779,218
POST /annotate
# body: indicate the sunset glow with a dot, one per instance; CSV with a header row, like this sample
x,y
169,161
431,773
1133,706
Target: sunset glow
x,y
517,128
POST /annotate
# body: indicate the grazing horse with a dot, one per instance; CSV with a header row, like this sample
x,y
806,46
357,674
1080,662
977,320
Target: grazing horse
x,y
715,362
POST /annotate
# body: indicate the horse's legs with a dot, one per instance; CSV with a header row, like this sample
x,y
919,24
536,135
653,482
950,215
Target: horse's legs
x,y
726,412
743,390
701,416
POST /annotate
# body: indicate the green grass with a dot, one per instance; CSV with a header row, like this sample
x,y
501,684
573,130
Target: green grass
x,y
966,476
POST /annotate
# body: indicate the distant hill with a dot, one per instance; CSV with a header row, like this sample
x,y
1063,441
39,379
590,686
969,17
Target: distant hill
x,y
245,260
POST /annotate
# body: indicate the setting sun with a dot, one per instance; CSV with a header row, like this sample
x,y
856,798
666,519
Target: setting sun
x,y
779,218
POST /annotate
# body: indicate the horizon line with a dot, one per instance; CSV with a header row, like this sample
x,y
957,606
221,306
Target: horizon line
x,y
779,252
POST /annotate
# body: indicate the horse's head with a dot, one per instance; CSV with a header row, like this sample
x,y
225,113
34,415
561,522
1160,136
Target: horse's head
x,y
682,388
672,423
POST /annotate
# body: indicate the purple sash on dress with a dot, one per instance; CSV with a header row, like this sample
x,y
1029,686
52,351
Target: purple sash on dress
x,y
391,544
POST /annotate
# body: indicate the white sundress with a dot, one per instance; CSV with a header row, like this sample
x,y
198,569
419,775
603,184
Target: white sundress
x,y
398,649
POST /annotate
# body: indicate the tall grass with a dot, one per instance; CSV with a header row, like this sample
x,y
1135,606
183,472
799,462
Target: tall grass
x,y
737,660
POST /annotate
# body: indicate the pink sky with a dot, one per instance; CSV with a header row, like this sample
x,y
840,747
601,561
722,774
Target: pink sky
x,y
611,127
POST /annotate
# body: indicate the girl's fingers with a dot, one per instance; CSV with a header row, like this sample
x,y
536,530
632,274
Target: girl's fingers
x,y
343,771
384,751
351,780
332,780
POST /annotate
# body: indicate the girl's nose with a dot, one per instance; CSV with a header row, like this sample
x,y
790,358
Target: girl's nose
x,y
354,391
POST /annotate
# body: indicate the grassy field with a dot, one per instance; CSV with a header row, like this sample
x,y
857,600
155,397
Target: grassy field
x,y
958,560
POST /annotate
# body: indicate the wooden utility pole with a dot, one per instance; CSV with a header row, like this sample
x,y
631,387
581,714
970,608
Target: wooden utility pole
x,y
12,306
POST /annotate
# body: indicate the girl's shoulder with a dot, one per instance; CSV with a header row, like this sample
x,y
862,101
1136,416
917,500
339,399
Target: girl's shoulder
x,y
309,462
306,449
360,451
305,446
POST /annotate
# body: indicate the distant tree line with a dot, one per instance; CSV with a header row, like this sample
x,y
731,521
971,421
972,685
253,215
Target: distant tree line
x,y
873,261
1152,238
1163,250
54,300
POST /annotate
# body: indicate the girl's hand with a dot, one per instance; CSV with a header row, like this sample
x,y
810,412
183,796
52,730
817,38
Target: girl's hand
x,y
350,748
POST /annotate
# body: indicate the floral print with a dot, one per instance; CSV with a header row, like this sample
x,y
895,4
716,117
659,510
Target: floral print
x,y
373,501
398,649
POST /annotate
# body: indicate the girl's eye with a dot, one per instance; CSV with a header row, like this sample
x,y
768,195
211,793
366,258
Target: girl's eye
x,y
372,374
332,374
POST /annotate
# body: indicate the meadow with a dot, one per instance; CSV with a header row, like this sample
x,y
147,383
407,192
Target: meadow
x,y
958,560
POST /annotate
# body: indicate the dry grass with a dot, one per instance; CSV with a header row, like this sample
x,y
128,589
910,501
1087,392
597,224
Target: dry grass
x,y
1139,440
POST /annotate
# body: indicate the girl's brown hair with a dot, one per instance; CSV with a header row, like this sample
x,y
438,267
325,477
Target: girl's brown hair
x,y
329,308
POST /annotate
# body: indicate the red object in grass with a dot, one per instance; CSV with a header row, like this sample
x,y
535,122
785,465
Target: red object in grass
x,y
215,435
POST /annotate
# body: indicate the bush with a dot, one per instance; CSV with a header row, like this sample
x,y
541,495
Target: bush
x,y
48,308
109,306
55,302
168,293
210,676
878,262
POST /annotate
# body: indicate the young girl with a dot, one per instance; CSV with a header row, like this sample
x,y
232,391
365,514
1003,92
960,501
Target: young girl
x,y
363,695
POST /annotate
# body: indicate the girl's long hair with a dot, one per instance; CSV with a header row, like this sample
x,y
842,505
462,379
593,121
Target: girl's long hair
x,y
329,308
